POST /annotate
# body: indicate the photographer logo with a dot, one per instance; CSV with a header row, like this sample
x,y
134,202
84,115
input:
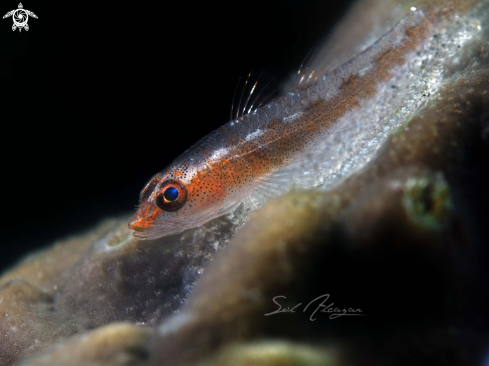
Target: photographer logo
x,y
20,17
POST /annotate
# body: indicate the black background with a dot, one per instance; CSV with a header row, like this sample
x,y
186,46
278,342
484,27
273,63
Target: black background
x,y
96,98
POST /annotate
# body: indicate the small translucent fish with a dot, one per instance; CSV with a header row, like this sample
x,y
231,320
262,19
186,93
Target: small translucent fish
x,y
243,161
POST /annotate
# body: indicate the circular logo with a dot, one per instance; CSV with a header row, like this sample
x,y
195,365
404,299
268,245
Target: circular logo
x,y
20,18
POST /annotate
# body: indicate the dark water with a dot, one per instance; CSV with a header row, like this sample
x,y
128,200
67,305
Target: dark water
x,y
89,94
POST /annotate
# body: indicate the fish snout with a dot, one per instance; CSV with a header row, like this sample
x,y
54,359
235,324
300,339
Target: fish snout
x,y
138,224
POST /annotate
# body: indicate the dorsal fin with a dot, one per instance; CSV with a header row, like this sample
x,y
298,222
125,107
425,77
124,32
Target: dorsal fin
x,y
251,92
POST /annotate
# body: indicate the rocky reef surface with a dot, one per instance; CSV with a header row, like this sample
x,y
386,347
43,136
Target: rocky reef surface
x,y
387,266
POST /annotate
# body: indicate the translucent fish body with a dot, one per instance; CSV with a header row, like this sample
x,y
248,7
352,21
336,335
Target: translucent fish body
x,y
239,161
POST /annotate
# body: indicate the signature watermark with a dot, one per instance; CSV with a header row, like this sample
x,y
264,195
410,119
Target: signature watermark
x,y
322,307
20,17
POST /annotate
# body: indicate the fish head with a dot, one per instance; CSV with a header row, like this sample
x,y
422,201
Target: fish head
x,y
183,196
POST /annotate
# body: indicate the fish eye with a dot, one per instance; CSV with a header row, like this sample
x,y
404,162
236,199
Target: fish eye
x,y
171,196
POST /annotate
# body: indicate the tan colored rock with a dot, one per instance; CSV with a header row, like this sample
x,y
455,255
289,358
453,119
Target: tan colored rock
x,y
115,344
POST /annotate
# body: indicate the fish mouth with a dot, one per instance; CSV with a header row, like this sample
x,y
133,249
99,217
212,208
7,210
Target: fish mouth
x,y
138,224
155,234
143,236
143,229
144,219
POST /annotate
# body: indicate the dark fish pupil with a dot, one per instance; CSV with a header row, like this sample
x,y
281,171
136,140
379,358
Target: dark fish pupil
x,y
171,194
